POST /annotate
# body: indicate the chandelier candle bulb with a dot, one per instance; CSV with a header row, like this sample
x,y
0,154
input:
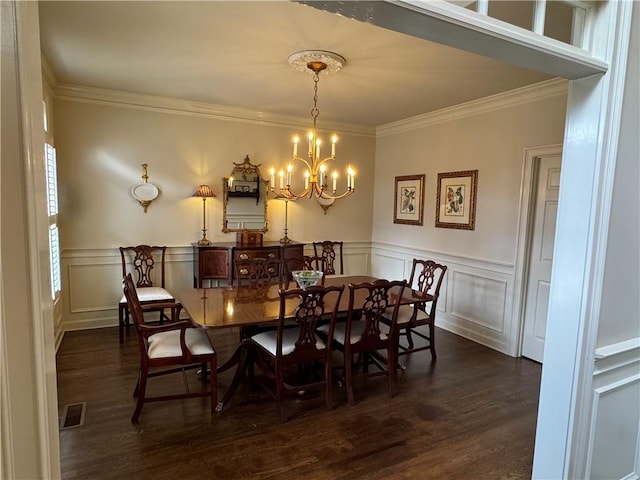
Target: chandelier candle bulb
x,y
310,144
334,139
273,177
289,170
281,175
318,149
322,169
306,179
335,181
295,147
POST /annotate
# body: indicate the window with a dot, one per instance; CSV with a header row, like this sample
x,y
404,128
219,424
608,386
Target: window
x,y
52,209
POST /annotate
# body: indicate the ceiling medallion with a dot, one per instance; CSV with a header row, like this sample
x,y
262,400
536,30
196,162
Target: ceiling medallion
x,y
317,61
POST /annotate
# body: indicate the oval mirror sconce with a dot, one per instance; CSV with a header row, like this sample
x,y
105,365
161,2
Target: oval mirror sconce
x,y
144,192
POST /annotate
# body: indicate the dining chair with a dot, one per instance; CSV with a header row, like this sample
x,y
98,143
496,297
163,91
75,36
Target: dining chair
x,y
426,278
176,344
362,336
331,253
141,260
257,274
259,271
282,354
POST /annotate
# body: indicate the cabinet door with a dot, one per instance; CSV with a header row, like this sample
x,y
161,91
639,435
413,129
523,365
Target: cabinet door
x,y
214,263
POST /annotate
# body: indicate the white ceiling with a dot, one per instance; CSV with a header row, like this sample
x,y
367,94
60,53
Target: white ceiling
x,y
235,54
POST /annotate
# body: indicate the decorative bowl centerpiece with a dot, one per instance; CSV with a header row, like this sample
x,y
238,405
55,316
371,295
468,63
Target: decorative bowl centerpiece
x,y
307,278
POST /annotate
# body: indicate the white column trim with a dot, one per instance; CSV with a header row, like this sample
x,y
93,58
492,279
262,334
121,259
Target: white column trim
x,y
594,106
31,94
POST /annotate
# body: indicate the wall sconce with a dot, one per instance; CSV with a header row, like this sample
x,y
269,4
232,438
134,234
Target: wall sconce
x,y
144,192
204,192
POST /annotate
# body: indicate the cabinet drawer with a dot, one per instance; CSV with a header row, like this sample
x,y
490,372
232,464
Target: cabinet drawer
x,y
240,254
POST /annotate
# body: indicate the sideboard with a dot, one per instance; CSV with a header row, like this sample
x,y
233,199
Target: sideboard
x,y
216,260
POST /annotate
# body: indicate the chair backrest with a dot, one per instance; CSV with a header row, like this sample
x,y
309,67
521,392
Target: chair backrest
x,y
135,309
307,262
314,304
260,272
133,303
368,303
142,259
331,253
427,276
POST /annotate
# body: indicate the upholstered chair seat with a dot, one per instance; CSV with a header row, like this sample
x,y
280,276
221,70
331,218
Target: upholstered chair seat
x,y
357,328
269,341
406,315
151,294
167,344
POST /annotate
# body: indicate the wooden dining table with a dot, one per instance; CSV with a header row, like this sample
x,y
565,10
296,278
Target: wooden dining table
x,y
244,306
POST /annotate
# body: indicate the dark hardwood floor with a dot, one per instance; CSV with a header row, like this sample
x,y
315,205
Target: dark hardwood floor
x,y
471,415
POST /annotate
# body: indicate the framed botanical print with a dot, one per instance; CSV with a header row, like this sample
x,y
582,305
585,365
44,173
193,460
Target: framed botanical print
x,y
456,200
408,208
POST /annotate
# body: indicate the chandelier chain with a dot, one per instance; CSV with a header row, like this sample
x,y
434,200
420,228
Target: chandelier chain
x,y
314,111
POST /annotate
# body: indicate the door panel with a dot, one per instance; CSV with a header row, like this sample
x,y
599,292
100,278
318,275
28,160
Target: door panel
x,y
541,256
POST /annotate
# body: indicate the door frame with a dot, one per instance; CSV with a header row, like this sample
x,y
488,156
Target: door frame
x,y
524,236
594,105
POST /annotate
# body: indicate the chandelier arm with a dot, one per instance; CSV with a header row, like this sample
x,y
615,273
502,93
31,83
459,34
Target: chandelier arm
x,y
319,192
302,194
337,197
303,161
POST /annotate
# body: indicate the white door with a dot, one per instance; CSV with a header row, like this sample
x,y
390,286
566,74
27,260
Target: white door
x,y
541,256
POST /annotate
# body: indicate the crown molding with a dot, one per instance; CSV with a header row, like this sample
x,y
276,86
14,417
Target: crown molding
x,y
79,93
47,74
531,93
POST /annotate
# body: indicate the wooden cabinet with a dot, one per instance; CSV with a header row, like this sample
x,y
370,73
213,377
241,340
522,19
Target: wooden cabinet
x,y
216,261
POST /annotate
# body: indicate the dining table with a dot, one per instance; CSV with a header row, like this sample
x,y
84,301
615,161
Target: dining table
x,y
247,305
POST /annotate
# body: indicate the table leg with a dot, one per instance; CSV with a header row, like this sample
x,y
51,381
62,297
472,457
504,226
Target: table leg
x,y
238,358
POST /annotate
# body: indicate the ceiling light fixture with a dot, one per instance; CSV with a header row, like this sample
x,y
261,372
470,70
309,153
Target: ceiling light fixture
x,y
315,168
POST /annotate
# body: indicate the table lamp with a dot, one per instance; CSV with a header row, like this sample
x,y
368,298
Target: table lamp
x,y
204,192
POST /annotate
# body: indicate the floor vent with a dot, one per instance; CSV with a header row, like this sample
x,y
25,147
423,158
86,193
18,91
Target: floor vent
x,y
73,415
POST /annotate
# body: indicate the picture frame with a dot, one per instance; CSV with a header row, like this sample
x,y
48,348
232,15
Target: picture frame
x,y
456,200
408,207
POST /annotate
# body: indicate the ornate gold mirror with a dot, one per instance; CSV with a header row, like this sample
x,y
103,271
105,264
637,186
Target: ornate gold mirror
x,y
244,199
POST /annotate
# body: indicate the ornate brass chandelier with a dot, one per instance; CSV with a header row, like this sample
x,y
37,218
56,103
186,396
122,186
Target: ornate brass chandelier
x,y
318,181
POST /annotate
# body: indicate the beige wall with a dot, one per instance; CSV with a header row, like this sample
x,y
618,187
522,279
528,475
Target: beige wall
x,y
491,142
101,149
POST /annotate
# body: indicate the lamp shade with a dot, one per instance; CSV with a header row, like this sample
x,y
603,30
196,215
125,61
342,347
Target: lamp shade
x,y
203,191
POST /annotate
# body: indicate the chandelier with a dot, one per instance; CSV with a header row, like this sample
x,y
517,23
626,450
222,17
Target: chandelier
x,y
318,181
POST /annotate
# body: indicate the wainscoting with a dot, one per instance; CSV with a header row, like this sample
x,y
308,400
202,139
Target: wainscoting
x,y
614,440
476,298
